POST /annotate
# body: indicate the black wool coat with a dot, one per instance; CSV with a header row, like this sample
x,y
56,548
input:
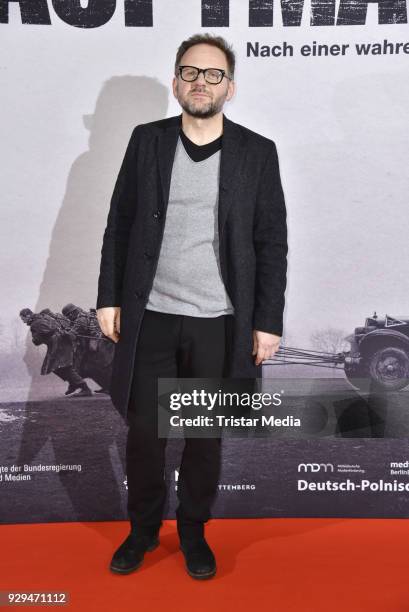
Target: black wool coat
x,y
252,240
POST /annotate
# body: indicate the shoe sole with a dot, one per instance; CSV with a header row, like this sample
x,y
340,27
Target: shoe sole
x,y
200,576
118,570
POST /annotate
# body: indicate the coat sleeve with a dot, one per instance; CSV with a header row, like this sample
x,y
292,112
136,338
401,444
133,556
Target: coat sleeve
x,y
270,243
116,236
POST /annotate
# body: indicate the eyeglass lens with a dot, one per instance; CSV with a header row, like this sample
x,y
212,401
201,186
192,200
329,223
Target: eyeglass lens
x,y
211,75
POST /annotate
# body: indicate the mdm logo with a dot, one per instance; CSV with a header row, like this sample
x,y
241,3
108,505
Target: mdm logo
x,y
315,467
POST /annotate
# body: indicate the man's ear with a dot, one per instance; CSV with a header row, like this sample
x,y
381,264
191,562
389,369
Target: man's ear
x,y
231,90
174,82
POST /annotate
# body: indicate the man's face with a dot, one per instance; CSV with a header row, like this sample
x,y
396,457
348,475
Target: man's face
x,y
199,98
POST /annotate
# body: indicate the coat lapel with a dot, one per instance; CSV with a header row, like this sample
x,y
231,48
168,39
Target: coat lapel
x,y
231,167
231,163
167,142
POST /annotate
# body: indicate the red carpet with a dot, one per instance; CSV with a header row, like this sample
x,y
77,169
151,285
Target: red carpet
x,y
282,565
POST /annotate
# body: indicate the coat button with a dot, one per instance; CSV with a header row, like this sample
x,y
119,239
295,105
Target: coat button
x,y
147,255
139,294
157,214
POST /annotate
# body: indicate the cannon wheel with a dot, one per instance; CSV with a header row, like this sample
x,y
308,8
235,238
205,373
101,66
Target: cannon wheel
x,y
389,368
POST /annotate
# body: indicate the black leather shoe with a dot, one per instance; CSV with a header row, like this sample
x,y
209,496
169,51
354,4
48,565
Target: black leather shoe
x,y
130,554
200,560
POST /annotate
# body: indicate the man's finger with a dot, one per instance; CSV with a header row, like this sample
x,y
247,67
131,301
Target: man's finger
x,y
108,328
113,335
261,354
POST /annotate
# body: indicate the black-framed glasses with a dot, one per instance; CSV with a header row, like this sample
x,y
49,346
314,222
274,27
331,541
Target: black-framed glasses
x,y
211,75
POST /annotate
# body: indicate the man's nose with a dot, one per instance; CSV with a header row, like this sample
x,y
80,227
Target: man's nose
x,y
201,79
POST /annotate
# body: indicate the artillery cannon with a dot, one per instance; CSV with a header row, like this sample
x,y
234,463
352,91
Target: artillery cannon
x,y
379,354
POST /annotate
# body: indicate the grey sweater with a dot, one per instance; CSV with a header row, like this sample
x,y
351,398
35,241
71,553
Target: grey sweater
x,y
188,279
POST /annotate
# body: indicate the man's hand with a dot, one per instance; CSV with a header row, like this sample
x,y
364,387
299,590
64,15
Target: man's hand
x,y
264,345
109,319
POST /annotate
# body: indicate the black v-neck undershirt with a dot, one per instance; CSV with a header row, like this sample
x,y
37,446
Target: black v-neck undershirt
x,y
200,152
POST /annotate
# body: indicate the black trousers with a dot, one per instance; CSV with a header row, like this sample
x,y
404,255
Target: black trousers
x,y
171,346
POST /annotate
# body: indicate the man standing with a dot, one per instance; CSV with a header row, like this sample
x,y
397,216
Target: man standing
x,y
192,283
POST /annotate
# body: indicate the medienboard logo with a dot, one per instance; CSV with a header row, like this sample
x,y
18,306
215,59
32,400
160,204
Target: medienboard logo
x,y
400,464
315,467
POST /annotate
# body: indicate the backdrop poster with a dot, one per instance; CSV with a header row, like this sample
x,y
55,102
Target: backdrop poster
x,y
327,81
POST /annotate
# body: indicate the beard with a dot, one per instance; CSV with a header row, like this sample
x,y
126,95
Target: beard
x,y
204,109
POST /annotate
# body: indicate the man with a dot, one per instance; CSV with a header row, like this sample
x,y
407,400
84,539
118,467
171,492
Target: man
x,y
53,330
92,350
192,282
